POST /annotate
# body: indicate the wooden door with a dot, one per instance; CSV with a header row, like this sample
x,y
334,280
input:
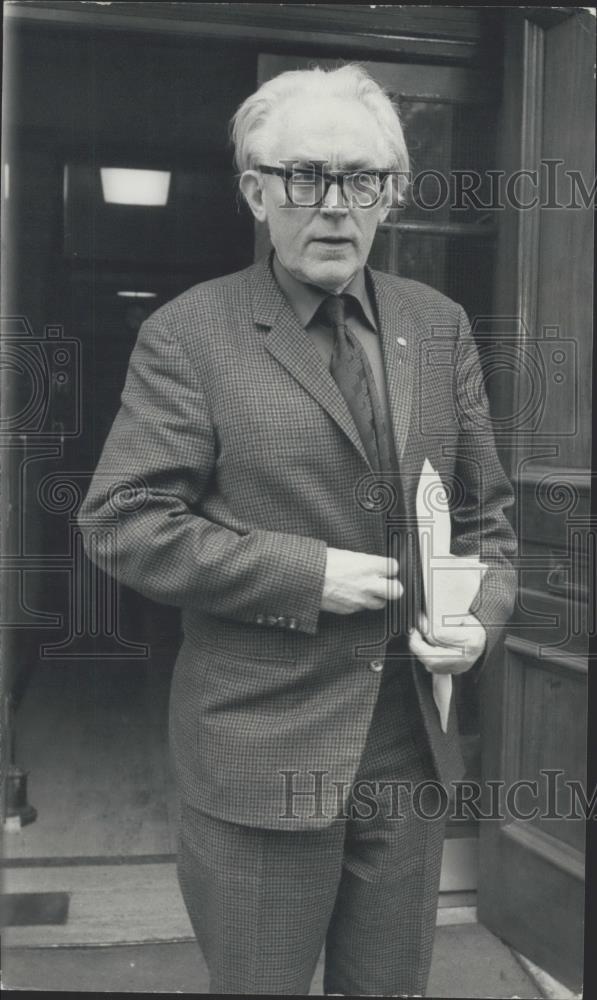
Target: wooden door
x,y
449,115
531,888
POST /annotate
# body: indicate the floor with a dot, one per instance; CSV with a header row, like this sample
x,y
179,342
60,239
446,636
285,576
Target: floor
x,y
468,961
115,904
93,738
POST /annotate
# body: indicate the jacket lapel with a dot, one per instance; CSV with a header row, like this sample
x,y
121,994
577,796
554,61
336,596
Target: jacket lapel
x,y
398,346
288,342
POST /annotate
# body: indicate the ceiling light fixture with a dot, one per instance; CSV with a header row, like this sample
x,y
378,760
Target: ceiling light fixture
x,y
127,186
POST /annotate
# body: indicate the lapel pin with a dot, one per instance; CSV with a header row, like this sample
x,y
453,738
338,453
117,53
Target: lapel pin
x,y
401,341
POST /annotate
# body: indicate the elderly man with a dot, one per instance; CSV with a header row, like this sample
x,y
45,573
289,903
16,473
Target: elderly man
x,y
258,409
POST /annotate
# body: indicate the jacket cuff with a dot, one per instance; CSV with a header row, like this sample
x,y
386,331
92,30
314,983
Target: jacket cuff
x,y
296,566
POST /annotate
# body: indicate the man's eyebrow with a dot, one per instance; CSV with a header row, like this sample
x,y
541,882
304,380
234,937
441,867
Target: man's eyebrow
x,y
357,165
305,163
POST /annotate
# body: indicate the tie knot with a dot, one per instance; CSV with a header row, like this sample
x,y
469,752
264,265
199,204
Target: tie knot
x,y
333,309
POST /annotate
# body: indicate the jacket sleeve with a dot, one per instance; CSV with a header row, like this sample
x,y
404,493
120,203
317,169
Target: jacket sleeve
x,y
479,522
156,466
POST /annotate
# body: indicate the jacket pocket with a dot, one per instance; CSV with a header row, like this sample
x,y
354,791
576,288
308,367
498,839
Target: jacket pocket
x,y
251,656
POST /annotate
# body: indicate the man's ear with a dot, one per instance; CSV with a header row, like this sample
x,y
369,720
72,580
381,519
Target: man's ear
x,y
383,213
388,196
250,185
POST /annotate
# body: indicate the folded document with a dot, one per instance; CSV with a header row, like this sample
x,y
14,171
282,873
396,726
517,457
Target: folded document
x,y
450,582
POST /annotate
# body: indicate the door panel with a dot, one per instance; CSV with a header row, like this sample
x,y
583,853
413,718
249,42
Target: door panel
x,y
531,874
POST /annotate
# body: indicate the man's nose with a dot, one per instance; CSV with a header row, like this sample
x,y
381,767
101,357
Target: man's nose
x,y
334,202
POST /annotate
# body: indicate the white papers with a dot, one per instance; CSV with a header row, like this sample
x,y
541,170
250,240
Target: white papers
x,y
450,582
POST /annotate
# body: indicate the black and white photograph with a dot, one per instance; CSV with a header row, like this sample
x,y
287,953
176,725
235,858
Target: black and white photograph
x,y
298,537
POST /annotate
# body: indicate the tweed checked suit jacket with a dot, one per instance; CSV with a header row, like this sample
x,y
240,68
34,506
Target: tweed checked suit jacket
x,y
231,466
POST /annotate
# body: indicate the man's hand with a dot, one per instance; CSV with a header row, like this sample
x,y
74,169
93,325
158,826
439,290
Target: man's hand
x,y
355,581
452,649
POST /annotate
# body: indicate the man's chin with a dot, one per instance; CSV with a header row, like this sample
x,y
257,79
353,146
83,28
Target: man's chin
x,y
331,275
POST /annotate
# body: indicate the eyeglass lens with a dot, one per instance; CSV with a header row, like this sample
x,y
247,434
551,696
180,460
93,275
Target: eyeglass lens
x,y
310,188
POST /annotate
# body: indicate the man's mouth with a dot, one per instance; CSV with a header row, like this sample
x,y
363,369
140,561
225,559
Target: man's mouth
x,y
332,240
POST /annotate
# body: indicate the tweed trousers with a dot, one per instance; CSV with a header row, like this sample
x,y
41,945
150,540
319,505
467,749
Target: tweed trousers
x,y
262,902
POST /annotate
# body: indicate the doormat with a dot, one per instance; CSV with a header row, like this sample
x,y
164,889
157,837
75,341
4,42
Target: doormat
x,y
28,909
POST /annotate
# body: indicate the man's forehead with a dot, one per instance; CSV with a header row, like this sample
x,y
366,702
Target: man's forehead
x,y
319,113
341,132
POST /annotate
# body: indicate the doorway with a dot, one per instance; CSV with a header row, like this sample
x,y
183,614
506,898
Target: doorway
x,y
158,105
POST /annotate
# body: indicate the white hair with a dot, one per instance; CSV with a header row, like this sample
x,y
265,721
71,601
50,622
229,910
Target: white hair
x,y
351,81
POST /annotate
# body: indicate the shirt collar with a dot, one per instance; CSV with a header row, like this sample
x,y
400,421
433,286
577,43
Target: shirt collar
x,y
306,299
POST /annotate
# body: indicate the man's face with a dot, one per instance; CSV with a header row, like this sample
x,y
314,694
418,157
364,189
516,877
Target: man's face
x,y
324,245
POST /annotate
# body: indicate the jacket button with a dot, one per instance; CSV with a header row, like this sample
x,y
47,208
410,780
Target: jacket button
x,y
260,619
376,666
281,621
271,620
292,623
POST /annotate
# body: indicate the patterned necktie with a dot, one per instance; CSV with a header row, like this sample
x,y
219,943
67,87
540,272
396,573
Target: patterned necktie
x,y
352,373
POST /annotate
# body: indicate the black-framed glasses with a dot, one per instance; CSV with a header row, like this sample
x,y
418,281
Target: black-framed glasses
x,y
308,186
